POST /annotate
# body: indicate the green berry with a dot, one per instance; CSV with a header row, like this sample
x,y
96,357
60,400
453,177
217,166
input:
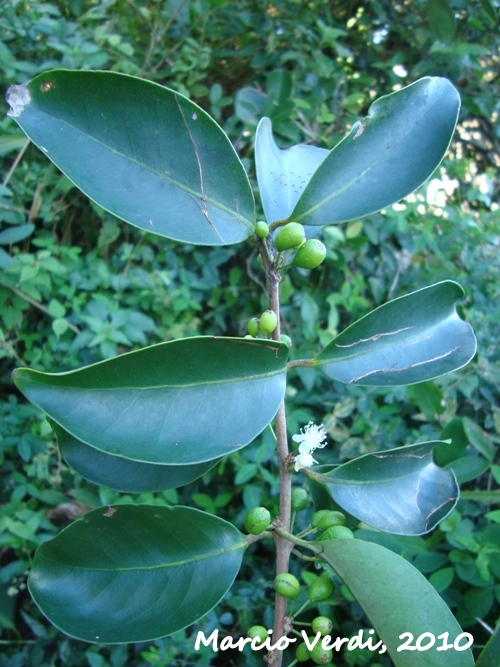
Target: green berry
x,y
310,255
320,656
268,322
302,654
286,340
300,499
253,327
257,520
258,631
336,533
290,236
321,588
287,585
322,624
318,516
262,229
330,518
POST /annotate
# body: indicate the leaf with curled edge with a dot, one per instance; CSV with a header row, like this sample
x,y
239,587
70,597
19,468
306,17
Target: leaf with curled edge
x,y
400,491
411,339
282,174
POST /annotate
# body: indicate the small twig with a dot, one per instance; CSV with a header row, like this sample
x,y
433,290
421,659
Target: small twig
x,y
41,307
16,162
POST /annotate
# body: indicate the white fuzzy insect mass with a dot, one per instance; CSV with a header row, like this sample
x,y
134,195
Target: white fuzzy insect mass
x,y
18,97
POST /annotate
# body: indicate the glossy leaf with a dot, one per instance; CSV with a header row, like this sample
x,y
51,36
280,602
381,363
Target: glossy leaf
x,y
144,152
121,474
386,156
413,338
282,174
398,491
131,573
178,403
397,599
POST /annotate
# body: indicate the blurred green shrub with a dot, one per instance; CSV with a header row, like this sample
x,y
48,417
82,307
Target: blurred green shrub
x,y
77,286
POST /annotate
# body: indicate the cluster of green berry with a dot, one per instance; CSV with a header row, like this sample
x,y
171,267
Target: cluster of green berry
x,y
265,325
330,524
292,236
320,590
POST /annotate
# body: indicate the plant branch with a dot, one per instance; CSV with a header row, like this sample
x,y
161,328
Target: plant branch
x,y
283,546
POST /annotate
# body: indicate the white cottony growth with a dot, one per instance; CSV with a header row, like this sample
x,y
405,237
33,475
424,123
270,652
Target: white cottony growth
x,y
311,437
18,97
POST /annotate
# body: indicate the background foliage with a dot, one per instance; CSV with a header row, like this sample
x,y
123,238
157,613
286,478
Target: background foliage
x,y
77,286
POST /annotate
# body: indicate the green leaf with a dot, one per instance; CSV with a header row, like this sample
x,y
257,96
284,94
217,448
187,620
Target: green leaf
x,y
248,104
398,491
479,440
282,174
411,339
391,592
489,654
490,497
144,152
177,403
386,156
441,19
16,234
428,397
121,474
5,259
133,573
457,442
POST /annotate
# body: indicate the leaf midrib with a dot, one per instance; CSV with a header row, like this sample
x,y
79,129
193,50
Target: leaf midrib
x,y
160,175
372,165
374,482
239,379
237,546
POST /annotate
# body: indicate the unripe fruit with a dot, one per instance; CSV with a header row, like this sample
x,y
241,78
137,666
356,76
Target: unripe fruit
x,y
302,653
290,236
258,631
257,520
336,533
322,624
262,229
300,499
253,327
321,588
320,656
286,340
268,322
328,519
310,255
287,585
318,516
